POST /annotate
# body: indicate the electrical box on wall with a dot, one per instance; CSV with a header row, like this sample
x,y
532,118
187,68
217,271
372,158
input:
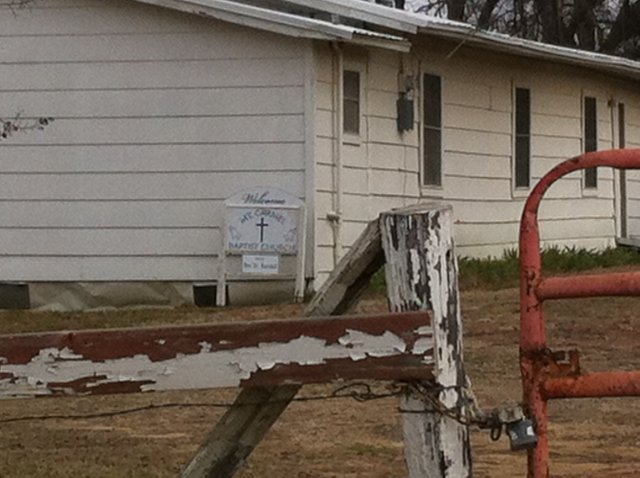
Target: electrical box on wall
x,y
405,113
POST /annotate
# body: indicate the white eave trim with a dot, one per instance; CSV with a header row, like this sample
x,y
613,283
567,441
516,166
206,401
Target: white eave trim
x,y
281,22
255,17
379,15
381,40
527,48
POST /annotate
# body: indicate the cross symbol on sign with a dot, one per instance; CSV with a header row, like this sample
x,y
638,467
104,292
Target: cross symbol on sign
x,y
262,225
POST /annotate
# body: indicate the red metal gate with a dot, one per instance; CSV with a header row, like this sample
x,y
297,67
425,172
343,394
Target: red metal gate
x,y
547,375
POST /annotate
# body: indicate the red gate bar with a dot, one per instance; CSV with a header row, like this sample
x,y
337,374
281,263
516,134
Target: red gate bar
x,y
597,384
260,353
592,285
538,381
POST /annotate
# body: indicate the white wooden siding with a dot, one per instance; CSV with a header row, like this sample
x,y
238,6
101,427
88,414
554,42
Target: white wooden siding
x,y
81,269
497,248
158,117
632,113
180,103
101,214
472,211
166,130
159,158
141,75
556,134
108,242
380,171
477,144
136,186
481,189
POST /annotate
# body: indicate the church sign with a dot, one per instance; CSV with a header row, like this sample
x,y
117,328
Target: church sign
x,y
261,225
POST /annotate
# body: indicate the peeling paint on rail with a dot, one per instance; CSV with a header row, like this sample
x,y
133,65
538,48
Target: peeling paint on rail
x,y
392,346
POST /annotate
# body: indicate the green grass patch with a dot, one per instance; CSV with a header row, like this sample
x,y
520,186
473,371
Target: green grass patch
x,y
503,272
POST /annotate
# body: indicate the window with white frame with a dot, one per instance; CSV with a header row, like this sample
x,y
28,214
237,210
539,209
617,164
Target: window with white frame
x,y
351,102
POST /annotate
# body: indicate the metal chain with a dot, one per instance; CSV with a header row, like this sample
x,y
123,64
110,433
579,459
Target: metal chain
x,y
469,411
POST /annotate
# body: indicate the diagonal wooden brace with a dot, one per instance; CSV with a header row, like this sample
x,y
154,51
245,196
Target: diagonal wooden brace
x,y
243,426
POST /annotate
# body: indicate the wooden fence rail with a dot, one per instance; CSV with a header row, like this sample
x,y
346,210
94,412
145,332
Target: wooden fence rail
x,y
261,353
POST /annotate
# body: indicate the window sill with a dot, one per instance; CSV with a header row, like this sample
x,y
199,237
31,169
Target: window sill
x,y
589,192
520,193
435,192
351,139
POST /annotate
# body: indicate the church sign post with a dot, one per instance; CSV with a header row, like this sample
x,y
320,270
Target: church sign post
x,y
264,227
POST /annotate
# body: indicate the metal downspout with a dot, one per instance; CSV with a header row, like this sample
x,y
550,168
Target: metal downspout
x,y
335,216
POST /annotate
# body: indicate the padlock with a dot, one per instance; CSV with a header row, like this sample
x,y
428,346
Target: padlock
x,y
522,435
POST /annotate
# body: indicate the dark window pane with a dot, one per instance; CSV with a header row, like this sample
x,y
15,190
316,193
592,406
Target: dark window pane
x,y
523,111
522,161
624,204
432,157
351,117
351,102
523,134
432,154
590,139
432,101
590,126
591,178
352,85
622,140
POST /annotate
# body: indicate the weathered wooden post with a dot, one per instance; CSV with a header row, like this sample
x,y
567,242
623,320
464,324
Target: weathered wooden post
x,y
422,273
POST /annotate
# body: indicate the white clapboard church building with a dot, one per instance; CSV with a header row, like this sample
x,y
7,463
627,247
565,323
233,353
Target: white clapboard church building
x,y
166,113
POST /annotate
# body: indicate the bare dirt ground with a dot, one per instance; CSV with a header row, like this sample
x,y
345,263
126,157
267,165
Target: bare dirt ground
x,y
338,438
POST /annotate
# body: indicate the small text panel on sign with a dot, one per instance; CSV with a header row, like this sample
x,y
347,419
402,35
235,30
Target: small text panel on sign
x,y
260,264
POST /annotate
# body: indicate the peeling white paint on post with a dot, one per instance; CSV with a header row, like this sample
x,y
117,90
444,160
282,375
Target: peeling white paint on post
x,y
422,273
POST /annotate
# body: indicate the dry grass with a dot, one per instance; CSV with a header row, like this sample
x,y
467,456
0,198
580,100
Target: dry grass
x,y
339,438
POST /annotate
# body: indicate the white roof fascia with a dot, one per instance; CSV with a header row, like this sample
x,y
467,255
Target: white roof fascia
x,y
282,23
259,18
379,15
528,48
380,40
